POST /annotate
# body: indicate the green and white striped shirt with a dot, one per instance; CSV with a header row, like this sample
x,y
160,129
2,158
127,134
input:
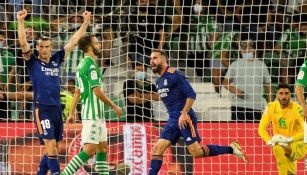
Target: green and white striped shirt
x,y
89,76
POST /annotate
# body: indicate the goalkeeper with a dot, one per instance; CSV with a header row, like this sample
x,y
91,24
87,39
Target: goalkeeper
x,y
287,121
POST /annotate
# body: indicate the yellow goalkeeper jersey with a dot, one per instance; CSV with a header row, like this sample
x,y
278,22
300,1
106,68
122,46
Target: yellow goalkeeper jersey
x,y
288,121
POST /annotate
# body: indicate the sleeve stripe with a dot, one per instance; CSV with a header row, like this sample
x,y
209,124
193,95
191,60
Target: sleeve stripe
x,y
299,84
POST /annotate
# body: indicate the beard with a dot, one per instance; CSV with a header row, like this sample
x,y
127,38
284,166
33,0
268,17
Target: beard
x,y
96,52
158,69
284,102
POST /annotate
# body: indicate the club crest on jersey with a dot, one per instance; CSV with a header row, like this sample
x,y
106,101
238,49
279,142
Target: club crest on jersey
x,y
54,63
94,75
300,75
165,82
45,132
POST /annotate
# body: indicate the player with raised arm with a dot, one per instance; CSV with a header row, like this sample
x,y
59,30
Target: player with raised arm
x,y
287,120
89,89
44,72
178,97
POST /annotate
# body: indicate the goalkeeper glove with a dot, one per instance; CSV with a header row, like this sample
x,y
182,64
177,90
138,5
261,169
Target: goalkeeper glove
x,y
270,143
281,140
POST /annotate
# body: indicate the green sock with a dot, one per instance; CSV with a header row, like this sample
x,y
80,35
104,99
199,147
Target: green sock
x,y
76,162
101,163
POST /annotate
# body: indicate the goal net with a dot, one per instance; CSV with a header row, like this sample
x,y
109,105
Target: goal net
x,y
203,40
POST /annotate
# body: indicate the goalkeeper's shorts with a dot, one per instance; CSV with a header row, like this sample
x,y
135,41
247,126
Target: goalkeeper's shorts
x,y
299,149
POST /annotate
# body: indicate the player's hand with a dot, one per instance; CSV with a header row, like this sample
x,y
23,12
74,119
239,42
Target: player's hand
x,y
270,143
118,111
70,120
22,14
86,17
281,139
183,120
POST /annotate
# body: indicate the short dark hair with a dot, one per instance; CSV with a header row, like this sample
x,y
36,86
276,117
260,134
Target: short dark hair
x,y
286,86
162,52
85,42
44,38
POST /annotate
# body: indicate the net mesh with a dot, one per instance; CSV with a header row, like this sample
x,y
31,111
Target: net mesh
x,y
203,40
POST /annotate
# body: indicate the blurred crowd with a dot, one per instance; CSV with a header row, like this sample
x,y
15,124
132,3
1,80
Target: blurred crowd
x,y
204,35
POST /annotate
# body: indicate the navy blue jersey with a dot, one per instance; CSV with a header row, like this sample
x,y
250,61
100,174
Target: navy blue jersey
x,y
45,78
174,90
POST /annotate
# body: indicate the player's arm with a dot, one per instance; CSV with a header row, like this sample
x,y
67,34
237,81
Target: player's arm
x,y
264,123
72,117
299,136
102,96
184,118
299,90
80,33
25,47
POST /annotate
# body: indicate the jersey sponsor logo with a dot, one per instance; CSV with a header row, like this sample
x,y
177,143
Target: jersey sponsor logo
x,y
50,71
165,82
300,75
94,75
163,92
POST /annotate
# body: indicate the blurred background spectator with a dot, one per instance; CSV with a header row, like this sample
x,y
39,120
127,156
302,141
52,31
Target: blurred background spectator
x,y
247,78
139,92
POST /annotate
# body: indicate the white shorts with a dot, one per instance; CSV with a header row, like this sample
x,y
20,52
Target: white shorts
x,y
94,131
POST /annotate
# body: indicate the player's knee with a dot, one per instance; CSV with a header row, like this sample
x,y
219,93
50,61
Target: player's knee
x,y
51,147
156,151
196,153
278,150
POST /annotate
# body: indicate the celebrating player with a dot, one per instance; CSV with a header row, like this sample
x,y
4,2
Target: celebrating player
x,y
178,97
287,121
44,71
89,88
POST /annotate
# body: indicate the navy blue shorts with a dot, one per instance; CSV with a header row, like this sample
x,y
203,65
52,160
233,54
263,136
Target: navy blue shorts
x,y
49,122
172,132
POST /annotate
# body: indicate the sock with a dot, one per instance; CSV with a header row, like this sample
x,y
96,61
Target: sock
x,y
53,165
43,166
76,162
155,166
214,150
281,160
101,163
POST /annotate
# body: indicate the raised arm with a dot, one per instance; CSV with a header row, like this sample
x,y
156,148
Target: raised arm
x,y
25,47
76,37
